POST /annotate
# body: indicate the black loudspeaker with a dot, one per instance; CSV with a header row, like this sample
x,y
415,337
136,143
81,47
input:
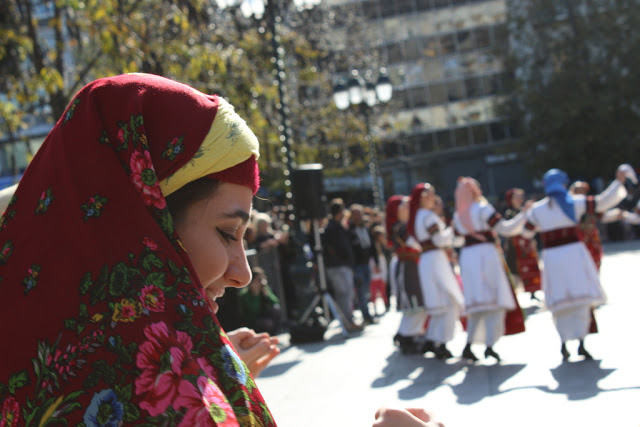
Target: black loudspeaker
x,y
308,191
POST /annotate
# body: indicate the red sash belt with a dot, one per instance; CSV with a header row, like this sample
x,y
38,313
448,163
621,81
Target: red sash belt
x,y
559,237
469,240
407,254
427,245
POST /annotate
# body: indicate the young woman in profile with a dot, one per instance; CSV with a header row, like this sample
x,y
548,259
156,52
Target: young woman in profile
x,y
135,207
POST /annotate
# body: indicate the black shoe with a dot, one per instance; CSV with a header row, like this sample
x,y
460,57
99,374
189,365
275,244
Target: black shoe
x,y
565,352
468,354
442,352
408,345
490,352
427,347
583,352
396,340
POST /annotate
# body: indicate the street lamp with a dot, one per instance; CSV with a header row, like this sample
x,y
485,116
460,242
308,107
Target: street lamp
x,y
269,9
365,94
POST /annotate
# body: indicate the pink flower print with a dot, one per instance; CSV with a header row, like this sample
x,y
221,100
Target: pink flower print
x,y
10,413
206,404
145,180
152,298
164,359
122,135
150,243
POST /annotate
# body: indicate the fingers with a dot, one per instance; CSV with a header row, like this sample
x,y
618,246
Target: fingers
x,y
408,417
253,349
237,335
259,365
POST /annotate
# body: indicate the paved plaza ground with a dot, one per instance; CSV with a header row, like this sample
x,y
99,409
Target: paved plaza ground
x,y
341,382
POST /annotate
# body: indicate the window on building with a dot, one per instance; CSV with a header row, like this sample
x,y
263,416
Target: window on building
x,y
412,51
369,9
498,132
423,5
501,35
474,87
465,41
395,53
433,70
447,44
441,3
443,139
403,6
437,93
455,90
479,134
387,8
430,46
461,136
492,84
400,96
419,97
483,37
424,143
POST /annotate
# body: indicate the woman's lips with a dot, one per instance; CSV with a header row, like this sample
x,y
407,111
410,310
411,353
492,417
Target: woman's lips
x,y
213,295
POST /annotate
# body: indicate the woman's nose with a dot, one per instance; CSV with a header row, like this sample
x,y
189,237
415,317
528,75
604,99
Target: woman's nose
x,y
238,270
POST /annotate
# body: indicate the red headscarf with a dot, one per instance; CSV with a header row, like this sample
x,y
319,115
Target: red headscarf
x,y
414,205
391,214
100,305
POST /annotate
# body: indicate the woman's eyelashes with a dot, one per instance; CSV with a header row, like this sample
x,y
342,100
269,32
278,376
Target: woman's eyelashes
x,y
228,237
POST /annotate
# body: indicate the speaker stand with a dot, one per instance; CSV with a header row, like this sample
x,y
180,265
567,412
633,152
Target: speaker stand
x,y
323,294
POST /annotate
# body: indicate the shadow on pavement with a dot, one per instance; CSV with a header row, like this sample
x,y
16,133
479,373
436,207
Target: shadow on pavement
x,y
434,374
275,369
578,380
611,248
490,376
399,367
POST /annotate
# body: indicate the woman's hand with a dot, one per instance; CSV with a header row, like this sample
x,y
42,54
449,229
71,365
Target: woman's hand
x,y
405,417
255,350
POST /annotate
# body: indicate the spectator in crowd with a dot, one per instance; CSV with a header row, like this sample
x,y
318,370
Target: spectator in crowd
x,y
259,306
339,262
379,268
363,250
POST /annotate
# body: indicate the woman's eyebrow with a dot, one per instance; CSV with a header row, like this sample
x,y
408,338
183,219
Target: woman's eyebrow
x,y
243,215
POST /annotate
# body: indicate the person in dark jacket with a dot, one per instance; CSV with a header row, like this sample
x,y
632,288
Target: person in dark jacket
x,y
339,261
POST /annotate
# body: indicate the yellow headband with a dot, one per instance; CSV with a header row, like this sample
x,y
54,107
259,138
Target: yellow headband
x,y
228,143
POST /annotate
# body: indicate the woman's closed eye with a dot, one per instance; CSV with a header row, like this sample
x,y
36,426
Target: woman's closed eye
x,y
228,237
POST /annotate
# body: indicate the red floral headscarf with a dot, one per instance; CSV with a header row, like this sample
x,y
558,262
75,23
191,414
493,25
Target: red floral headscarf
x,y
104,320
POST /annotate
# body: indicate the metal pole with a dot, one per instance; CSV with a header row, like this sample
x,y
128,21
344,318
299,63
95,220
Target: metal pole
x,y
285,134
374,170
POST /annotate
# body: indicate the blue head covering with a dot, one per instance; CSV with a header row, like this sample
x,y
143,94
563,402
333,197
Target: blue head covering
x,y
555,186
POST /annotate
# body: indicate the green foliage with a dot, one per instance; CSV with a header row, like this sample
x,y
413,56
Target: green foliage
x,y
576,84
43,63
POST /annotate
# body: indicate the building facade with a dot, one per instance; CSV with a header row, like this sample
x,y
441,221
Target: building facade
x,y
445,60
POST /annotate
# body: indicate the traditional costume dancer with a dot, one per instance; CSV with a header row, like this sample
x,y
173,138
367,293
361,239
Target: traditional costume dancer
x,y
588,225
405,283
570,277
521,253
488,294
442,296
